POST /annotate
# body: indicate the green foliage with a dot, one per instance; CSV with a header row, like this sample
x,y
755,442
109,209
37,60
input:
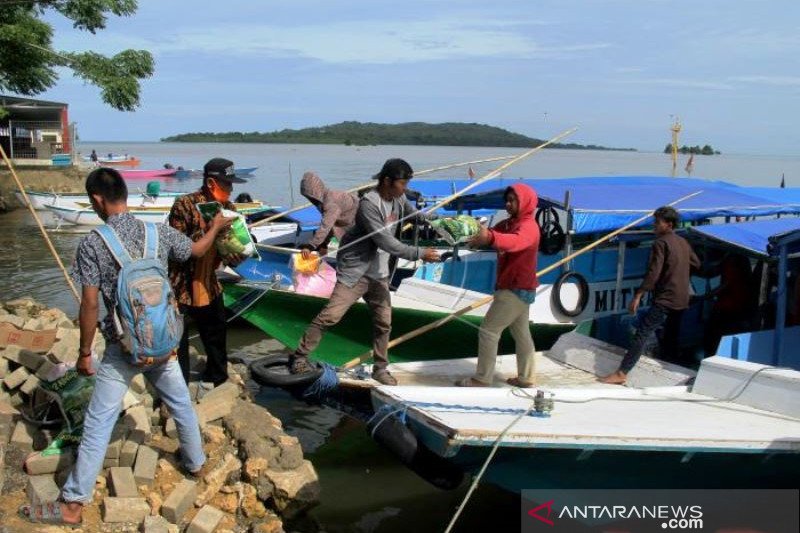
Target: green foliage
x,y
705,150
370,133
28,62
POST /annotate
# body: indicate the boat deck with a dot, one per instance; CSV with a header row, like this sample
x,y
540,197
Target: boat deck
x,y
587,414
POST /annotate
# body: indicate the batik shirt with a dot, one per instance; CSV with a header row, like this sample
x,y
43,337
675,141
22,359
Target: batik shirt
x,y
94,266
185,217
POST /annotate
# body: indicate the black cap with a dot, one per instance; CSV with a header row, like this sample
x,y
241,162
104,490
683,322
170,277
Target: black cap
x,y
221,169
395,169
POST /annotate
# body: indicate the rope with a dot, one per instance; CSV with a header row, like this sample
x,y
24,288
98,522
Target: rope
x,y
327,382
41,226
482,471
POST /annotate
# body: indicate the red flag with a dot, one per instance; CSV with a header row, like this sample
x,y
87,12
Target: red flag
x,y
470,172
690,164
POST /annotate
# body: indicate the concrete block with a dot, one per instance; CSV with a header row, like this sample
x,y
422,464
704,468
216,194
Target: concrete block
x,y
45,368
121,482
17,321
129,400
11,353
127,455
171,429
3,367
227,391
137,419
42,489
65,350
111,463
206,520
138,384
30,385
156,524
114,449
144,471
30,360
47,464
179,501
23,434
16,378
16,400
208,412
125,509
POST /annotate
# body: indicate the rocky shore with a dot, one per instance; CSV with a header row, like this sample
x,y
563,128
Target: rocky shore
x,y
255,479
67,179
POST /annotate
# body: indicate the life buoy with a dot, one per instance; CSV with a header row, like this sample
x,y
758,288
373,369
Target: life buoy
x,y
273,371
391,433
551,234
583,293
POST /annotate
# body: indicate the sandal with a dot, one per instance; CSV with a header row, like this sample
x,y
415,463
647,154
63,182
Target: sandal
x,y
516,382
471,382
46,513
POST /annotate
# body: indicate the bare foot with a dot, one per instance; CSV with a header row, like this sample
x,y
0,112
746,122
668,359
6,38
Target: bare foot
x,y
617,378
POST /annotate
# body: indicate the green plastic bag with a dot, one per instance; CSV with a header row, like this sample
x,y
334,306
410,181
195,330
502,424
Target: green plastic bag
x,y
237,239
458,229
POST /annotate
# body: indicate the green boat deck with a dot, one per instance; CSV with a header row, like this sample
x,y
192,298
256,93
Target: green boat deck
x,y
284,316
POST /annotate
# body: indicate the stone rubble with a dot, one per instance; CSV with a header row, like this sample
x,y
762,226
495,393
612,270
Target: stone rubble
x,y
254,479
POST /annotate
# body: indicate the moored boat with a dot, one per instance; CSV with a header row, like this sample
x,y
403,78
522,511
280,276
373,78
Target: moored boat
x,y
148,174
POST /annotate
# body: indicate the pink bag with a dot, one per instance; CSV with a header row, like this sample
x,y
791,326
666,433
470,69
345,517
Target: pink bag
x,y
319,284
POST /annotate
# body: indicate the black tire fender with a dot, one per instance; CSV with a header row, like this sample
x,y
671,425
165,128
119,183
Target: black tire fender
x,y
273,371
583,293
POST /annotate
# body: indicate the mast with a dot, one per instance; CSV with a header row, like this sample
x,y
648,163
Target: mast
x,y
676,128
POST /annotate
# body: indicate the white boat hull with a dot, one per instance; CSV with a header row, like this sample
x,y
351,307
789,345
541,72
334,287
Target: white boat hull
x,y
41,201
87,217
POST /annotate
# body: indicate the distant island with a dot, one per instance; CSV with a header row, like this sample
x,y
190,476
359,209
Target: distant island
x,y
370,133
705,150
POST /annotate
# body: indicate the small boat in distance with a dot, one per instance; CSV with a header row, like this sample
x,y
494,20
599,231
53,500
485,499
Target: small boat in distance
x,y
148,174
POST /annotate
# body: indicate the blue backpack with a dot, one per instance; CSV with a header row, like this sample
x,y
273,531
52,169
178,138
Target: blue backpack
x,y
147,313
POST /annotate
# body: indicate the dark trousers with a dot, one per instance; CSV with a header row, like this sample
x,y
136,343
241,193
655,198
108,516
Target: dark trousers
x,y
645,336
210,323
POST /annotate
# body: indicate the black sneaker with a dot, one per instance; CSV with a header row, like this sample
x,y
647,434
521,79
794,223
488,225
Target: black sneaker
x,y
384,378
300,365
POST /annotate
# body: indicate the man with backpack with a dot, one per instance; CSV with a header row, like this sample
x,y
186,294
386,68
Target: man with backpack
x,y
126,261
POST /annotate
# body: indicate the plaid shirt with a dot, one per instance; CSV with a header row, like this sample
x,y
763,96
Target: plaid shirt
x,y
94,266
185,218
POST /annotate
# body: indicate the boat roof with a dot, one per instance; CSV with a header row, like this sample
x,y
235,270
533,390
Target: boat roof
x,y
604,203
759,237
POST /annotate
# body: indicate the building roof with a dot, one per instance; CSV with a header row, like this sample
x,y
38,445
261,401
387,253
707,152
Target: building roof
x,y
29,109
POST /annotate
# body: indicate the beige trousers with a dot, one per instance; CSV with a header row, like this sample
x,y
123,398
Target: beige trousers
x,y
506,311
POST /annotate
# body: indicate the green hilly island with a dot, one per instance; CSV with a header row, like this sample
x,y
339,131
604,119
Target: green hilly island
x,y
370,133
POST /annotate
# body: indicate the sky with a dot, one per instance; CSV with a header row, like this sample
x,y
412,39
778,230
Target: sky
x,y
620,70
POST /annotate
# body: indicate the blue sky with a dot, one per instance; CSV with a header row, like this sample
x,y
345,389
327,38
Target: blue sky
x,y
616,68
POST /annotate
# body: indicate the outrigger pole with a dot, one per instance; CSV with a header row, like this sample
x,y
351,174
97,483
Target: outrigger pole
x,y
372,183
41,226
445,319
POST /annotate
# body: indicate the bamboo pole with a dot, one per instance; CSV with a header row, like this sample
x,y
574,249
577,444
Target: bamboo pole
x,y
483,179
371,183
483,301
499,170
41,226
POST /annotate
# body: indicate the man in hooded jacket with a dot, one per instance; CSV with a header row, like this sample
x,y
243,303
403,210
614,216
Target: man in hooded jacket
x,y
516,240
365,263
338,209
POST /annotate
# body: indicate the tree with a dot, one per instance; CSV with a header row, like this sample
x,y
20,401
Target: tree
x,y
28,61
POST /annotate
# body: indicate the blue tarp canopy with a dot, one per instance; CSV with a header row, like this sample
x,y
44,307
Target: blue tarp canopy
x,y
761,237
790,195
601,204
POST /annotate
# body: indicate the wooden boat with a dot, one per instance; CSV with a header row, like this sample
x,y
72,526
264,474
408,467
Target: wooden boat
x,y
183,173
593,286
84,215
148,174
41,200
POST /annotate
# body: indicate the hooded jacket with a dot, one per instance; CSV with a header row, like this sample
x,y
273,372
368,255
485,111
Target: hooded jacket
x,y
516,240
338,209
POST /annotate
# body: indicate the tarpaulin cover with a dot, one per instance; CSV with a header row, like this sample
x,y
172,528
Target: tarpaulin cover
x,y
757,236
601,204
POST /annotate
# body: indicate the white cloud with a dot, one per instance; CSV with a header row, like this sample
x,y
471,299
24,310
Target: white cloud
x,y
375,42
680,83
780,81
